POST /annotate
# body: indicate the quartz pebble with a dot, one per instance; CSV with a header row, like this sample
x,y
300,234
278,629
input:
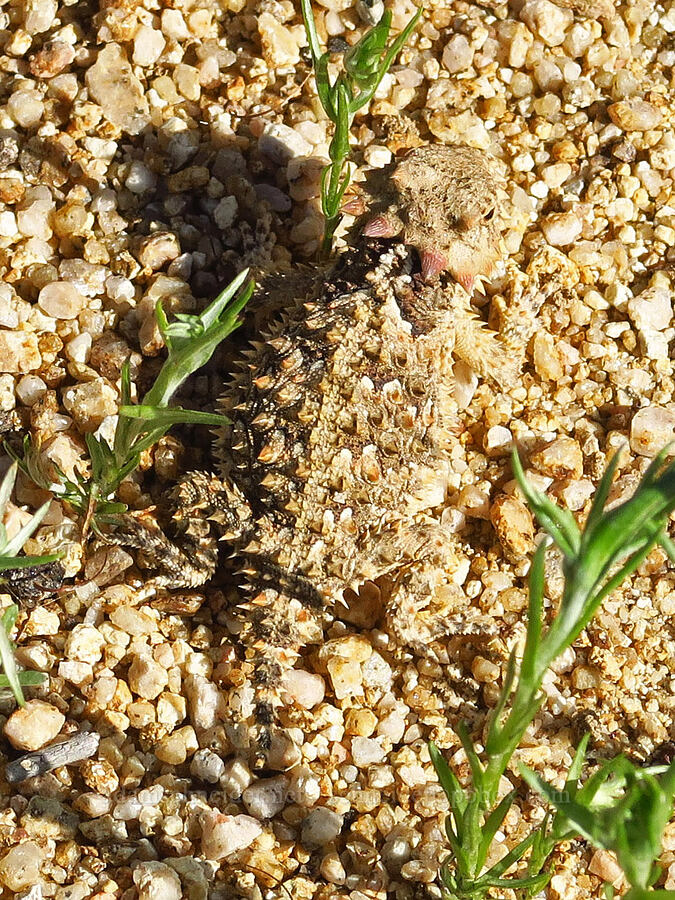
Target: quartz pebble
x,y
20,866
113,85
148,45
267,797
635,115
32,726
279,45
651,429
561,229
281,143
61,300
157,881
321,827
224,835
19,351
546,20
306,688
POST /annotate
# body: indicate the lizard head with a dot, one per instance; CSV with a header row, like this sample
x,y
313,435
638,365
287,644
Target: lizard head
x,y
443,202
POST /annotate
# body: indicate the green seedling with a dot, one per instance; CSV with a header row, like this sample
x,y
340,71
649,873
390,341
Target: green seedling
x,y
596,560
190,343
12,678
364,66
620,808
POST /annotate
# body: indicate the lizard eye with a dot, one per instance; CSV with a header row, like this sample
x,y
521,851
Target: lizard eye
x,y
489,215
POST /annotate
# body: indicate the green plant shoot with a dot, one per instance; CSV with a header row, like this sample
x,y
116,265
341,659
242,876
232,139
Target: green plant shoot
x,y
365,65
596,559
190,342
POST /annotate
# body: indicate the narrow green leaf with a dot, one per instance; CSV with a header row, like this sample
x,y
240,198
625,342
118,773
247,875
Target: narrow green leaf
x,y
492,876
14,545
362,60
310,29
9,666
455,793
492,824
172,415
600,497
475,764
27,678
535,614
7,485
559,523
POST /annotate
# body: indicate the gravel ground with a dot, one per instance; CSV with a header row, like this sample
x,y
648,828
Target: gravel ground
x,y
153,150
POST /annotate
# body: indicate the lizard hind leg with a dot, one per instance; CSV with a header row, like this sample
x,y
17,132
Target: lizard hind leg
x,y
425,605
203,509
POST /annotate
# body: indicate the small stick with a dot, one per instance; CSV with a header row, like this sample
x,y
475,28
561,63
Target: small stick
x,y
75,749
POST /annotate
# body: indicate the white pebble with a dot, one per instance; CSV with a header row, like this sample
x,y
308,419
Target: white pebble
x,y
32,726
61,300
30,389
651,429
366,751
79,348
225,212
223,835
281,143
148,45
306,688
321,827
207,766
8,226
458,54
561,229
547,21
157,881
26,108
140,178
266,797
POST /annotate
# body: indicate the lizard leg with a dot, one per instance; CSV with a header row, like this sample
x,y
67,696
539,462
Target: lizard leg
x,y
204,509
425,604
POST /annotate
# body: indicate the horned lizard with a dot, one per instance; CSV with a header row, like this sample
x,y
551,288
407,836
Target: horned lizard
x,y
334,469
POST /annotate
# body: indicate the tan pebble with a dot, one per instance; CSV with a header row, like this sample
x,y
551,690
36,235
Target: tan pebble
x,y
146,677
85,644
20,866
635,115
546,20
113,85
512,521
175,748
354,648
279,45
19,352
604,864
562,458
90,402
585,678
188,179
100,776
651,429
51,59
346,677
34,725
157,881
158,249
224,835
484,670
361,722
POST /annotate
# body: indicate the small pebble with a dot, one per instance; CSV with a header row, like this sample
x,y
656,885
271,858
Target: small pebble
x,y
321,827
157,881
34,725
224,835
